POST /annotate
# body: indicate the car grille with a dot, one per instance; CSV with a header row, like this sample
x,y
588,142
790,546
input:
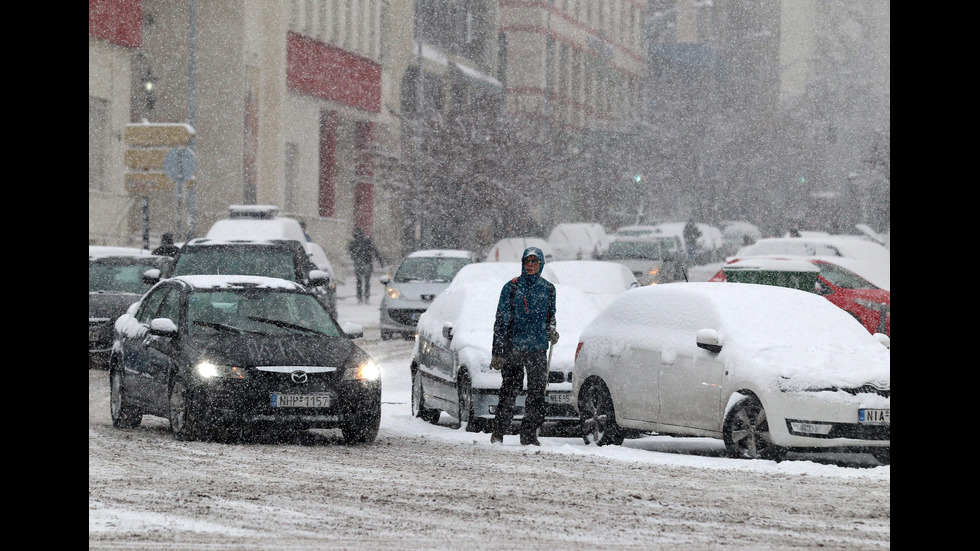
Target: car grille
x,y
404,317
849,430
869,389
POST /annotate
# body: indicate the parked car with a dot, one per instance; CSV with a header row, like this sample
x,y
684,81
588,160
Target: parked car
x,y
450,365
737,234
710,246
739,362
874,259
420,276
578,241
511,249
487,271
260,222
653,259
600,280
281,258
831,279
219,354
115,280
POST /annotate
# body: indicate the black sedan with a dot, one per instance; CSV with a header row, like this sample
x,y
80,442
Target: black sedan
x,y
115,280
231,354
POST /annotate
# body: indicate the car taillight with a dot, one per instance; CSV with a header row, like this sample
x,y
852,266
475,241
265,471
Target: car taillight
x,y
577,350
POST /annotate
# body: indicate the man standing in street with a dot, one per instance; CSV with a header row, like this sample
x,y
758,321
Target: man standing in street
x,y
523,328
362,252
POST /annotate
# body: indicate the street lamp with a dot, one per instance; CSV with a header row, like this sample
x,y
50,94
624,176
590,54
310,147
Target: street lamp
x,y
149,89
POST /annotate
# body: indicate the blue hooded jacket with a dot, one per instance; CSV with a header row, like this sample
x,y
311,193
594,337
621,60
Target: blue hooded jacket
x,y
531,312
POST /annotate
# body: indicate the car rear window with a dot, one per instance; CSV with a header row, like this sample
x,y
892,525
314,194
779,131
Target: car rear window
x,y
123,278
260,261
646,250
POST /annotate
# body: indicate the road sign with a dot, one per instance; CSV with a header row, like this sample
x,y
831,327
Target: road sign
x,y
160,134
179,164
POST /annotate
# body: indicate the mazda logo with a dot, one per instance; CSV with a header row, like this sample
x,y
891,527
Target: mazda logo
x,y
299,377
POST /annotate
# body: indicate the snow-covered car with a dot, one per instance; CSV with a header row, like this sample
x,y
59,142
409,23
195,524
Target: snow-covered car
x,y
739,362
869,259
420,276
600,280
834,278
450,365
511,249
115,281
651,258
578,241
239,353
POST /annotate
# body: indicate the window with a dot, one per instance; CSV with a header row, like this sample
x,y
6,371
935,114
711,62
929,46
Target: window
x,y
98,142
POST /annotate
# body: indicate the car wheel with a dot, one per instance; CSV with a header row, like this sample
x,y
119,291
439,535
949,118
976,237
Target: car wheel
x,y
883,455
124,414
746,432
385,336
599,417
464,405
184,421
419,408
361,424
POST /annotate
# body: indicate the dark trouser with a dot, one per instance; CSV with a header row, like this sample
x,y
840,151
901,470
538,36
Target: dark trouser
x,y
536,364
363,276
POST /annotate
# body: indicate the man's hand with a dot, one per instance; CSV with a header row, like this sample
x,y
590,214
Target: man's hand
x,y
553,335
496,363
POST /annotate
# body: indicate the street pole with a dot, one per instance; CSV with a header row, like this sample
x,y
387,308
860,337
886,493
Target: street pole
x,y
146,222
190,111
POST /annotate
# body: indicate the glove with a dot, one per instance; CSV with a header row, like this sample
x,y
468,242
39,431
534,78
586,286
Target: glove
x,y
553,335
497,363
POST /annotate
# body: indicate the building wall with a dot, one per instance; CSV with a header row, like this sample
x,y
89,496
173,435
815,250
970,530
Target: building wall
x,y
113,36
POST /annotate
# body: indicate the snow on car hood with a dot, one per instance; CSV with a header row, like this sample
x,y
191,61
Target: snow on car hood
x,y
798,368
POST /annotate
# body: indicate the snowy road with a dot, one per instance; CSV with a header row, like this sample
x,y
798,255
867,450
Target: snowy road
x,y
422,486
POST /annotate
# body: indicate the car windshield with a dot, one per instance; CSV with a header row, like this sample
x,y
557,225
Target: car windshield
x,y
843,278
646,250
118,277
427,268
261,261
264,312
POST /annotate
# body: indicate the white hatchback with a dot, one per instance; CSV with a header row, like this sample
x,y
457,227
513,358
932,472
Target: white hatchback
x,y
767,369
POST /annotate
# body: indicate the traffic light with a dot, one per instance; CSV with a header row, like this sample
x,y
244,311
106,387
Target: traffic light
x,y
638,178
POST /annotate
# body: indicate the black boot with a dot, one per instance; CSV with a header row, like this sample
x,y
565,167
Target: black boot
x,y
496,438
529,440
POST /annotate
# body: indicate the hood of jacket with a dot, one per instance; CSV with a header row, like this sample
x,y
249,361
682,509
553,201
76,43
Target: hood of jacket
x,y
532,251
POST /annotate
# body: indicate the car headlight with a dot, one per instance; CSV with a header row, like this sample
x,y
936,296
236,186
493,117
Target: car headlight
x,y
393,293
367,370
209,370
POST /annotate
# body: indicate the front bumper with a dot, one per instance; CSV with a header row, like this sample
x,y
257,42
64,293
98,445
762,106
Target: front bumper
x,y
826,421
239,404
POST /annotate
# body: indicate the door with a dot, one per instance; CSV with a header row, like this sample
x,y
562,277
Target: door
x,y
161,352
690,390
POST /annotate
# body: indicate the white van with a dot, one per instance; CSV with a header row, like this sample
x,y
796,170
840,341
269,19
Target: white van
x,y
264,222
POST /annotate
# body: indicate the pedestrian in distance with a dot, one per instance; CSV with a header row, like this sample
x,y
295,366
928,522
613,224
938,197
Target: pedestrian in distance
x,y
167,247
523,330
691,235
363,252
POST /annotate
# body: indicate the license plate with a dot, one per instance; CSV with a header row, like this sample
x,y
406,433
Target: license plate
x,y
559,397
300,400
874,416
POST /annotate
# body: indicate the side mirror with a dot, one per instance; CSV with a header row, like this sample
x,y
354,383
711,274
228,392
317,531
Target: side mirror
x,y
318,278
352,330
447,331
151,276
884,339
708,340
384,279
163,327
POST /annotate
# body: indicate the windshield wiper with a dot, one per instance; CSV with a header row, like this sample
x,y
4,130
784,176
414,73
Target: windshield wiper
x,y
221,326
286,324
